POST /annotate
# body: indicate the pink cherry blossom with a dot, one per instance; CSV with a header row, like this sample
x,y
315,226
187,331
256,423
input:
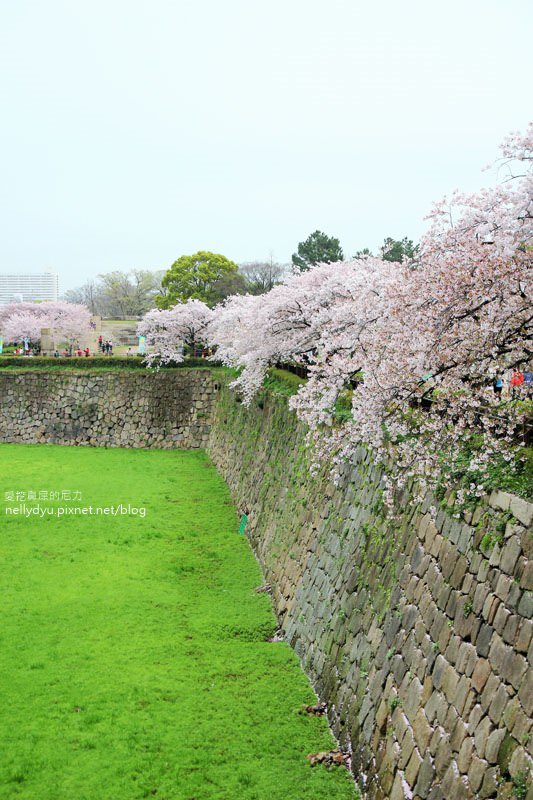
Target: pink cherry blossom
x,y
69,321
428,336
167,331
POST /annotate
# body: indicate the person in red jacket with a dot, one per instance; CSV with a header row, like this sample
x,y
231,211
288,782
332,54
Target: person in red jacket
x,y
517,379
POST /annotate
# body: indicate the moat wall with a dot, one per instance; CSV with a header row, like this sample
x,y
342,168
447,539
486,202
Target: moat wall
x,y
417,633
168,409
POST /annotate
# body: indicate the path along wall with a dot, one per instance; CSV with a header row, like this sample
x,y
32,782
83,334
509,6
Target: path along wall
x,y
168,409
417,634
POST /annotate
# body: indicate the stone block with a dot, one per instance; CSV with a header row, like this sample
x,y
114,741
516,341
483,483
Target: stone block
x,y
514,669
452,651
438,671
481,736
452,784
493,745
500,500
484,640
490,783
503,587
510,555
459,571
526,579
450,682
413,768
422,730
525,606
487,695
480,675
499,651
458,735
406,748
498,704
510,632
443,756
521,762
500,620
525,635
464,759
464,696
522,510
525,693
426,775
413,699
522,728
467,659
432,705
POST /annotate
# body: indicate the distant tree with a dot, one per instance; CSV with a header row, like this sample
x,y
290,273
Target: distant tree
x,y
205,276
398,249
87,295
118,293
318,248
364,252
262,276
227,285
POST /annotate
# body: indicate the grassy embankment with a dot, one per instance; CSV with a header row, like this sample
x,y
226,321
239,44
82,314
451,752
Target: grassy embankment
x,y
135,657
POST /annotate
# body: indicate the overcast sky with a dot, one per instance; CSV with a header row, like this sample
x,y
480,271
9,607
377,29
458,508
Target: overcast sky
x,y
134,132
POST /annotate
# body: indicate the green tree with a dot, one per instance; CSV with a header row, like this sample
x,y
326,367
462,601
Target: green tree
x,y
318,248
398,249
118,293
203,276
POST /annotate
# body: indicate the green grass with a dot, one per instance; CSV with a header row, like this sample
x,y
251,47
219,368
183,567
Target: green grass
x,y
134,652
283,382
106,363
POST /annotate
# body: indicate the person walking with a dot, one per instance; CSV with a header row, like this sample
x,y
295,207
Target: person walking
x,y
517,380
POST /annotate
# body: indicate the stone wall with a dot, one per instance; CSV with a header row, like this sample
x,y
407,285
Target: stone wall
x,y
168,409
418,633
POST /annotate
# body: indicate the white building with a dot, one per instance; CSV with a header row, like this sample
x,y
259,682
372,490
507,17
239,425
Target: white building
x,y
26,287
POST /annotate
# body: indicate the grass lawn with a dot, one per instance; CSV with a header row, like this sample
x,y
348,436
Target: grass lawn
x,y
134,652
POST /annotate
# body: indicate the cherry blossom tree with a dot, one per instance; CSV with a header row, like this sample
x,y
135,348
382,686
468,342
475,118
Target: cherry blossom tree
x,y
416,344
69,321
430,334
20,326
168,331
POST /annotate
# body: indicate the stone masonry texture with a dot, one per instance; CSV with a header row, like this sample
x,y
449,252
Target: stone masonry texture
x,y
166,409
417,632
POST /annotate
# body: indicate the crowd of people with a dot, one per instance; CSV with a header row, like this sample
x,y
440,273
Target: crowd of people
x,y
105,347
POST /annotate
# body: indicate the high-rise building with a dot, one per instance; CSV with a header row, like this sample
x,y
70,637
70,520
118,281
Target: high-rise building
x,y
39,286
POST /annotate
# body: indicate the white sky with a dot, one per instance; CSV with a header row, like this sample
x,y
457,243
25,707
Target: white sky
x,y
136,131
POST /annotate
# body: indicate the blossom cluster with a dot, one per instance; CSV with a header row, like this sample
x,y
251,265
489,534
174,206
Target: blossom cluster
x,y
19,321
168,331
416,344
